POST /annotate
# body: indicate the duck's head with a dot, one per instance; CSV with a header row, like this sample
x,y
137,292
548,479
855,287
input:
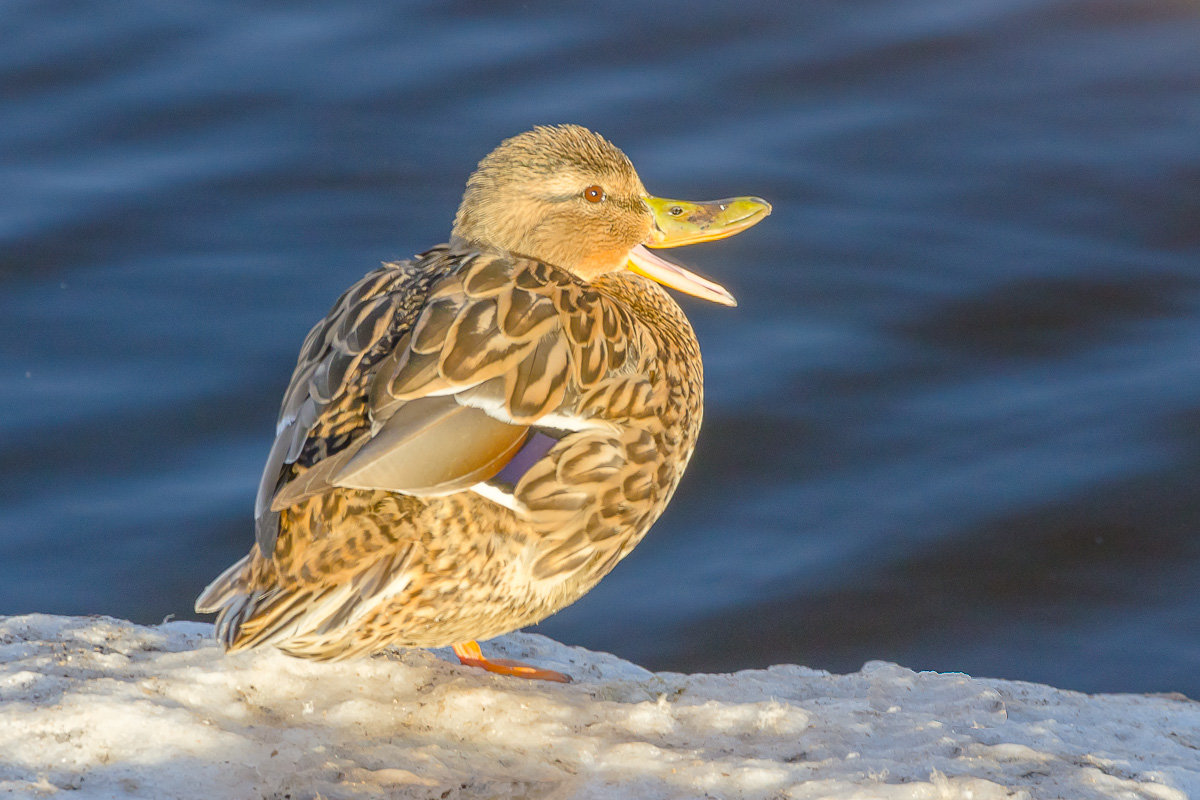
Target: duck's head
x,y
566,196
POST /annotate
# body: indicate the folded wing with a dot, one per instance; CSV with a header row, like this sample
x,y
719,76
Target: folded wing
x,y
428,378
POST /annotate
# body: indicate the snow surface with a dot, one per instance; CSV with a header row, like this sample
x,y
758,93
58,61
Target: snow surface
x,y
97,708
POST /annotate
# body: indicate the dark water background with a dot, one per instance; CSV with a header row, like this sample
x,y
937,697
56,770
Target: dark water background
x,y
954,423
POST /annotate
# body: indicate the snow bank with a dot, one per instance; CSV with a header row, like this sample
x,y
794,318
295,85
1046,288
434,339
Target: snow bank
x,y
97,707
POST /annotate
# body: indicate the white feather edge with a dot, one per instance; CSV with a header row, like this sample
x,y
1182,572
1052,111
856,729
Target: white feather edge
x,y
500,497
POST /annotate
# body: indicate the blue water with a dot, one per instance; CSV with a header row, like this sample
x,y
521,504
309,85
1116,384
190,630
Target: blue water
x,y
955,421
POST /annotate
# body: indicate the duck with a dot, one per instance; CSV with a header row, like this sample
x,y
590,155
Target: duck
x,y
474,437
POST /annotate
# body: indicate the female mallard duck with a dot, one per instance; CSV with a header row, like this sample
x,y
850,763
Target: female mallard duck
x,y
472,439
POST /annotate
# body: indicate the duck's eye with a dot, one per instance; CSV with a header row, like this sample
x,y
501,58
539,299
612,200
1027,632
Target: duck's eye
x,y
593,194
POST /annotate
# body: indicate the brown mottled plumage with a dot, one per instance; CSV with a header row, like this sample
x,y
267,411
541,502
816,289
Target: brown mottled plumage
x,y
473,438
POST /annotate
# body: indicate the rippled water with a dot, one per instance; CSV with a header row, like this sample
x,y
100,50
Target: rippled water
x,y
954,421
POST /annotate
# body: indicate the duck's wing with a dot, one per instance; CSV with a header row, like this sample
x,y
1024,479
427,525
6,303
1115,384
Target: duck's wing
x,y
434,379
323,410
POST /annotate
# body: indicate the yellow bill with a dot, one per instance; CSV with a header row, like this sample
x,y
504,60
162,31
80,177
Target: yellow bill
x,y
680,222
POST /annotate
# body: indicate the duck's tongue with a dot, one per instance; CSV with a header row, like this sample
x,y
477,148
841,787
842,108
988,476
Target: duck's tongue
x,y
680,222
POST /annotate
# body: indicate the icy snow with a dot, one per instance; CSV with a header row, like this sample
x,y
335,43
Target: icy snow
x,y
101,708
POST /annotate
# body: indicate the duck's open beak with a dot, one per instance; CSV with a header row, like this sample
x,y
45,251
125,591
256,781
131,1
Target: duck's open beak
x,y
680,222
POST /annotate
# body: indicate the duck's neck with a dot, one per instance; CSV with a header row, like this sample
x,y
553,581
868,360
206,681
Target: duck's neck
x,y
654,305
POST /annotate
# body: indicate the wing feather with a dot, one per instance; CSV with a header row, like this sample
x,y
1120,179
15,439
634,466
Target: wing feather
x,y
427,377
537,388
431,446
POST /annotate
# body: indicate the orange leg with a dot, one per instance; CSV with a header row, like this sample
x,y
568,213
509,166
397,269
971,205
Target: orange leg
x,y
469,653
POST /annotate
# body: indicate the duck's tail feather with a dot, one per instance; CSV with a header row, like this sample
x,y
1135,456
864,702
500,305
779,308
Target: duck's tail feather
x,y
300,618
223,589
230,598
